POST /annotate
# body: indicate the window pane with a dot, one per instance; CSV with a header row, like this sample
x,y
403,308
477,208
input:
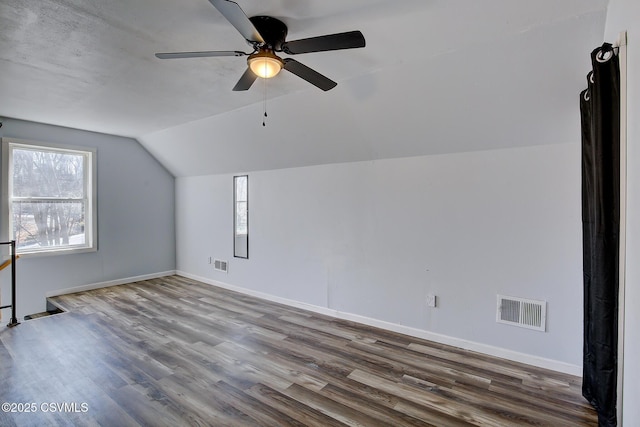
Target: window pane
x,y
48,224
47,174
241,188
241,218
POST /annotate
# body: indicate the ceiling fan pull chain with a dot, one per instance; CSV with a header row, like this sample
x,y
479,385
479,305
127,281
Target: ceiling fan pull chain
x,y
264,104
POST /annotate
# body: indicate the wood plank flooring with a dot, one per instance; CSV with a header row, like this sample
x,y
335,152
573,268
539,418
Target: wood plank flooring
x,y
175,352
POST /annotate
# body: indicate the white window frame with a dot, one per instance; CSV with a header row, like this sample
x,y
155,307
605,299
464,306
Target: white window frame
x,y
90,195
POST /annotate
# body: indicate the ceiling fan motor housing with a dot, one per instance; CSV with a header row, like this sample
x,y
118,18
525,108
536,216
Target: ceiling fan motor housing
x,y
272,30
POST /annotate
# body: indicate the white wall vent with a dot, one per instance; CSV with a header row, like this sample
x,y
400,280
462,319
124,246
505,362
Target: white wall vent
x,y
221,265
525,313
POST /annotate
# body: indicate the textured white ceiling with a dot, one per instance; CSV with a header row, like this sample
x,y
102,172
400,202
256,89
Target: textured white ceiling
x,y
436,76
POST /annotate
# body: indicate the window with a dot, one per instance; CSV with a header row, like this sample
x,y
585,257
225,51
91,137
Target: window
x,y
48,202
241,216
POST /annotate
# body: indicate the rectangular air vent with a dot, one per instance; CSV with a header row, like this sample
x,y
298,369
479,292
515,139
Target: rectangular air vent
x,y
220,265
525,313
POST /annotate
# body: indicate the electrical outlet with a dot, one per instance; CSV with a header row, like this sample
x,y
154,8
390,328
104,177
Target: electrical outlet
x,y
431,300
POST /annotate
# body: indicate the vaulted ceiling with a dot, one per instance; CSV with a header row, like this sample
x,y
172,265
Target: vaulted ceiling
x,y
435,77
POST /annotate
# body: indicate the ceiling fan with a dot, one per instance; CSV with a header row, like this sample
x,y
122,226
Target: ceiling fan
x,y
267,36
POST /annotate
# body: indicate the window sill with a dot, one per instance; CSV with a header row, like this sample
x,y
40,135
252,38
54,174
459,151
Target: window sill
x,y
52,252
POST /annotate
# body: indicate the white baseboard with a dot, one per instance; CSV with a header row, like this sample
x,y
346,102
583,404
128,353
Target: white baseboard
x,y
503,353
116,282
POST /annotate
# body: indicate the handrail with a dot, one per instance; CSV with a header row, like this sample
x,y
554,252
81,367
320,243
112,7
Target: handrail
x,y
7,263
13,321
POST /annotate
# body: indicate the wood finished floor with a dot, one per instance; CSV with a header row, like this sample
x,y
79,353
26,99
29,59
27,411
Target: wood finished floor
x,y
174,352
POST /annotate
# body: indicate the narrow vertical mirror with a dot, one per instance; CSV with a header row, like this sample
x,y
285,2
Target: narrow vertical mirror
x,y
241,216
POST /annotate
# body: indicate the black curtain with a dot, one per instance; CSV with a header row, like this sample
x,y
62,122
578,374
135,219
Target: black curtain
x,y
600,111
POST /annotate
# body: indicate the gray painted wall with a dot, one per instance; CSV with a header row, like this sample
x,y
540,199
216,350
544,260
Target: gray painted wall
x,y
374,238
136,221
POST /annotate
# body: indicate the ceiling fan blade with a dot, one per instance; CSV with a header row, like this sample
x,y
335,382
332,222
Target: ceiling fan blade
x,y
203,54
246,80
348,40
308,74
236,16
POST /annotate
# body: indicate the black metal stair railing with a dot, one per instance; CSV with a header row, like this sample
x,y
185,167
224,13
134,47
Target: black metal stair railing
x,y
13,321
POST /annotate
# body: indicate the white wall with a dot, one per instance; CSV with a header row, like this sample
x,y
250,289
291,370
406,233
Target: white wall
x,y
373,238
136,221
624,15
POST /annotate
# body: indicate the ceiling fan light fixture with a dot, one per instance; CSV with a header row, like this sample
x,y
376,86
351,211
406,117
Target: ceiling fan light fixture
x,y
265,64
